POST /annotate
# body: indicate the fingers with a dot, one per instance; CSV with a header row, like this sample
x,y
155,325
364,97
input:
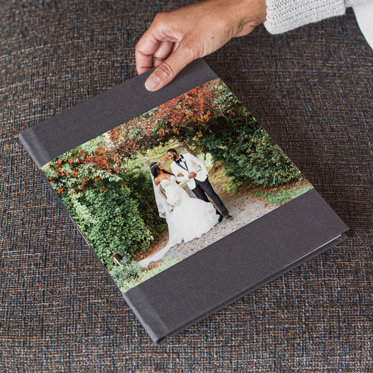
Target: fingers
x,y
177,37
155,45
169,68
163,51
145,47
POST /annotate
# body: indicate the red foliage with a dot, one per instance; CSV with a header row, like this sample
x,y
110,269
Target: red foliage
x,y
193,108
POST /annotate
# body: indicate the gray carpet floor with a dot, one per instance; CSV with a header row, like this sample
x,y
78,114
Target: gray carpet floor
x,y
59,312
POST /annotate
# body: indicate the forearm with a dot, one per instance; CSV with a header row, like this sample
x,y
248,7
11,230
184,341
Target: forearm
x,y
182,178
285,15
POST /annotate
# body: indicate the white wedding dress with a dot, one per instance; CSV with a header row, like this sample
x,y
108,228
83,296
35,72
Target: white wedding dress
x,y
188,217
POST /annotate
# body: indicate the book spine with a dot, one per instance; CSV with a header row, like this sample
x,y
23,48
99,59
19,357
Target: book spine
x,y
149,318
33,146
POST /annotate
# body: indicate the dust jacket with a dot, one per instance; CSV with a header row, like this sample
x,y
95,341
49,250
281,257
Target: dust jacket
x,y
183,197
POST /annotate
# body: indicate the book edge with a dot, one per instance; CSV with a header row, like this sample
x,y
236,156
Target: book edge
x,y
157,340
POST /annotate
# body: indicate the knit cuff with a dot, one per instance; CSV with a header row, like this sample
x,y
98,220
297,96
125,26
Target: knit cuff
x,y
285,15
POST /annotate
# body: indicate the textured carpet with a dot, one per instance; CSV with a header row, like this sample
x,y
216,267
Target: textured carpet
x,y
311,89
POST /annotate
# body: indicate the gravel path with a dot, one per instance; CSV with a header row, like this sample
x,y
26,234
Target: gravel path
x,y
244,210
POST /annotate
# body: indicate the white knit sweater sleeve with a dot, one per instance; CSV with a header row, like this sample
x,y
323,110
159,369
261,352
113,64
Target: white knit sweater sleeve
x,y
285,15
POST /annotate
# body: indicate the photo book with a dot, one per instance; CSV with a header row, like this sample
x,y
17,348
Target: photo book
x,y
182,196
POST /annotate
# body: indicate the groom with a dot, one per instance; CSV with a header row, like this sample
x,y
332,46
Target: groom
x,y
187,167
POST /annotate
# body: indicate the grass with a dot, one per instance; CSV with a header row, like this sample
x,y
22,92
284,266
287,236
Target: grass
x,y
218,177
272,195
282,194
148,273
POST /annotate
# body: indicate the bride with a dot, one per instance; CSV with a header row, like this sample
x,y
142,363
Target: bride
x,y
187,218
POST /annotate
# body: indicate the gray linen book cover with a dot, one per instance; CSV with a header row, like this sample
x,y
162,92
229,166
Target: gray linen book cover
x,y
184,198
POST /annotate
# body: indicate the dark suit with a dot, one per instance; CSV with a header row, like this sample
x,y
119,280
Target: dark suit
x,y
204,189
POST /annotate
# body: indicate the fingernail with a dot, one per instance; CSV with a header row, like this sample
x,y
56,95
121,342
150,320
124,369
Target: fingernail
x,y
152,82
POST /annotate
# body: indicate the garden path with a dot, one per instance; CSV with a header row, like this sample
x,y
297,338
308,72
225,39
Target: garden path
x,y
243,208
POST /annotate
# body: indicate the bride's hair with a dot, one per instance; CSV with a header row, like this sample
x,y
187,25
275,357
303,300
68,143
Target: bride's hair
x,y
155,170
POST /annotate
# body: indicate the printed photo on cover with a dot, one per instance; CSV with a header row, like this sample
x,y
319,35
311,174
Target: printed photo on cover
x,y
170,182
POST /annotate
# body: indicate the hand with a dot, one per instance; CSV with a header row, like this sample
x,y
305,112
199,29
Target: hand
x,y
177,37
192,175
180,175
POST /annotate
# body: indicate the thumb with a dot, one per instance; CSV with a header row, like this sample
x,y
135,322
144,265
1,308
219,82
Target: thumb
x,y
169,68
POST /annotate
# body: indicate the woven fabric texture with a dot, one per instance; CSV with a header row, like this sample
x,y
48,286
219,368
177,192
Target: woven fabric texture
x,y
310,88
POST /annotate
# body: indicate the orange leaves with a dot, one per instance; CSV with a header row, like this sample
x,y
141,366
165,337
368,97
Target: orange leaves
x,y
191,111
60,190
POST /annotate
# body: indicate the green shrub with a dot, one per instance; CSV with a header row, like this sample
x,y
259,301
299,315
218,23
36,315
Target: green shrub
x,y
118,226
122,274
141,187
111,221
247,151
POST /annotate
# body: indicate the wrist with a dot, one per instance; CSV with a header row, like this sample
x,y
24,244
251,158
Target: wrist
x,y
247,15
